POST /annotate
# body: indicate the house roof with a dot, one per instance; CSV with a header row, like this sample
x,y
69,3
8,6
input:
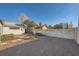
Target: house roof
x,y
11,25
44,26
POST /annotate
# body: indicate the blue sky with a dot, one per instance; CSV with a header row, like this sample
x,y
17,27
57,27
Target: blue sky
x,y
45,13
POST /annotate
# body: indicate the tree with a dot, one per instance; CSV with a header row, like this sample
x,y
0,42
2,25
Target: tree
x,y
58,26
46,25
40,24
28,24
23,17
50,27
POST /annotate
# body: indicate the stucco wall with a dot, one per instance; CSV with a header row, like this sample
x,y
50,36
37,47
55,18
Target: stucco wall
x,y
61,33
16,31
77,35
6,30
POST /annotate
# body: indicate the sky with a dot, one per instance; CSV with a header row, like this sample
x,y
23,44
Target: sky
x,y
47,13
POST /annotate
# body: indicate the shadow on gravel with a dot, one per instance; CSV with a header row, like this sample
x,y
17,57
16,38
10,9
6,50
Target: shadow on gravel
x,y
39,34
18,45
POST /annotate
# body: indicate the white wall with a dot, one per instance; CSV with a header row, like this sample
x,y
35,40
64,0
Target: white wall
x,y
6,30
15,31
77,35
61,33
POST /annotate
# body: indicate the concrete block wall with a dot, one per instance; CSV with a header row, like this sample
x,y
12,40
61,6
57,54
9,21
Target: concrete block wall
x,y
77,35
16,32
6,30
61,33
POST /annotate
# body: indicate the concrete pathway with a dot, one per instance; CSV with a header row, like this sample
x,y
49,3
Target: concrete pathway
x,y
44,46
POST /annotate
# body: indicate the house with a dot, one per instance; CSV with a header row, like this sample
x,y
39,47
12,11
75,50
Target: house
x,y
10,28
67,25
70,26
44,27
50,27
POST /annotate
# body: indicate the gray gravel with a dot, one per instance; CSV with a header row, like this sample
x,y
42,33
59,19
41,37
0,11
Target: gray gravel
x,y
44,46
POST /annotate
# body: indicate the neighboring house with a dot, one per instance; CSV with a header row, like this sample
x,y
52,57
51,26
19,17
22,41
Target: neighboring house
x,y
1,24
70,26
67,25
44,27
8,28
50,27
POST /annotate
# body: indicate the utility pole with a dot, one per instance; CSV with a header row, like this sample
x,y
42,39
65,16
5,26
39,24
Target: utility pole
x,y
78,21
0,32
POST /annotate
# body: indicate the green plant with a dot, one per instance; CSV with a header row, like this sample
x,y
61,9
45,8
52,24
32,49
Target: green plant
x,y
58,26
30,27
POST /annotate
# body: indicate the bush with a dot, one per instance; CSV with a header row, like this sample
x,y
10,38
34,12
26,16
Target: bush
x,y
29,31
7,37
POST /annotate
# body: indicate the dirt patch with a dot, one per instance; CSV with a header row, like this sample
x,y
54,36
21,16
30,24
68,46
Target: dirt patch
x,y
18,39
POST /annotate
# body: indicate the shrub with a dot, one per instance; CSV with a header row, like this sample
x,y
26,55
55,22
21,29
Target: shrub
x,y
7,37
29,31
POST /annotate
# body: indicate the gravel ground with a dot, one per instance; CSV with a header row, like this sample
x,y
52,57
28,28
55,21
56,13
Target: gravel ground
x,y
44,46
